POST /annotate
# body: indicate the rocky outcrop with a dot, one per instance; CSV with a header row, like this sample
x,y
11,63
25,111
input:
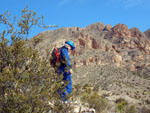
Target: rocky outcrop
x,y
147,33
121,30
95,27
107,27
135,32
88,42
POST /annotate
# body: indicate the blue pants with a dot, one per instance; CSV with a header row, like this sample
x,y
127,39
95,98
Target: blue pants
x,y
66,78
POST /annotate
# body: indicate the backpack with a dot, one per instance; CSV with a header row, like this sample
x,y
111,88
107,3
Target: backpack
x,y
55,57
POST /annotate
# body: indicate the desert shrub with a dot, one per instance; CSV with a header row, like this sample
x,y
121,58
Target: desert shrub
x,y
122,106
76,90
97,102
94,100
37,39
27,81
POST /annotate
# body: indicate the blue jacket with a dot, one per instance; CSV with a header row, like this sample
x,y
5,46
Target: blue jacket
x,y
66,65
65,69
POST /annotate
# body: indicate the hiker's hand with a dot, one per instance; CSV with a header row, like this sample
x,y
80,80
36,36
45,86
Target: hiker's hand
x,y
71,71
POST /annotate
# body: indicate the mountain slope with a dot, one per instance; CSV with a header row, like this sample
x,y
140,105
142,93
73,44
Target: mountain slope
x,y
115,59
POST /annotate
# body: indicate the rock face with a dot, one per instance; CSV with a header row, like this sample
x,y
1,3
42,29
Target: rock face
x,y
121,30
147,33
135,32
107,27
95,27
116,58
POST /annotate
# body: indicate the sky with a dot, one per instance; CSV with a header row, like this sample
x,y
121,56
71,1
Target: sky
x,y
81,13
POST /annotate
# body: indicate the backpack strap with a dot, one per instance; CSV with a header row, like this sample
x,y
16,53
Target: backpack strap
x,y
57,54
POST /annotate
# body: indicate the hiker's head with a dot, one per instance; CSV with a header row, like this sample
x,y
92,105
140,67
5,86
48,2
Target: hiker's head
x,y
70,45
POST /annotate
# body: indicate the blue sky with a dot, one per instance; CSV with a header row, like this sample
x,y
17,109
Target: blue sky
x,y
81,13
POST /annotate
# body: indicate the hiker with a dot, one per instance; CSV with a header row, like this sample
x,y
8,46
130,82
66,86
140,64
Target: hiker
x,y
65,68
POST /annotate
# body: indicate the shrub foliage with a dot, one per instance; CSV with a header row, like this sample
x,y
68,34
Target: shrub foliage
x,y
27,82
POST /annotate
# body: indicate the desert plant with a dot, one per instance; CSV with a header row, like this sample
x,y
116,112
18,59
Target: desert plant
x,y
122,106
94,100
27,81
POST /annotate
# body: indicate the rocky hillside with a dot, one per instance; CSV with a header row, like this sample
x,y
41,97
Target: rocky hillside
x,y
115,59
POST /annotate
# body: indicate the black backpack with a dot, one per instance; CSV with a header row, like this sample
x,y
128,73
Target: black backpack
x,y
55,57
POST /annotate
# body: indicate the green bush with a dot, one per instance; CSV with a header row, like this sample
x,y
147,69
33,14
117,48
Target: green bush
x,y
27,82
122,106
94,100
